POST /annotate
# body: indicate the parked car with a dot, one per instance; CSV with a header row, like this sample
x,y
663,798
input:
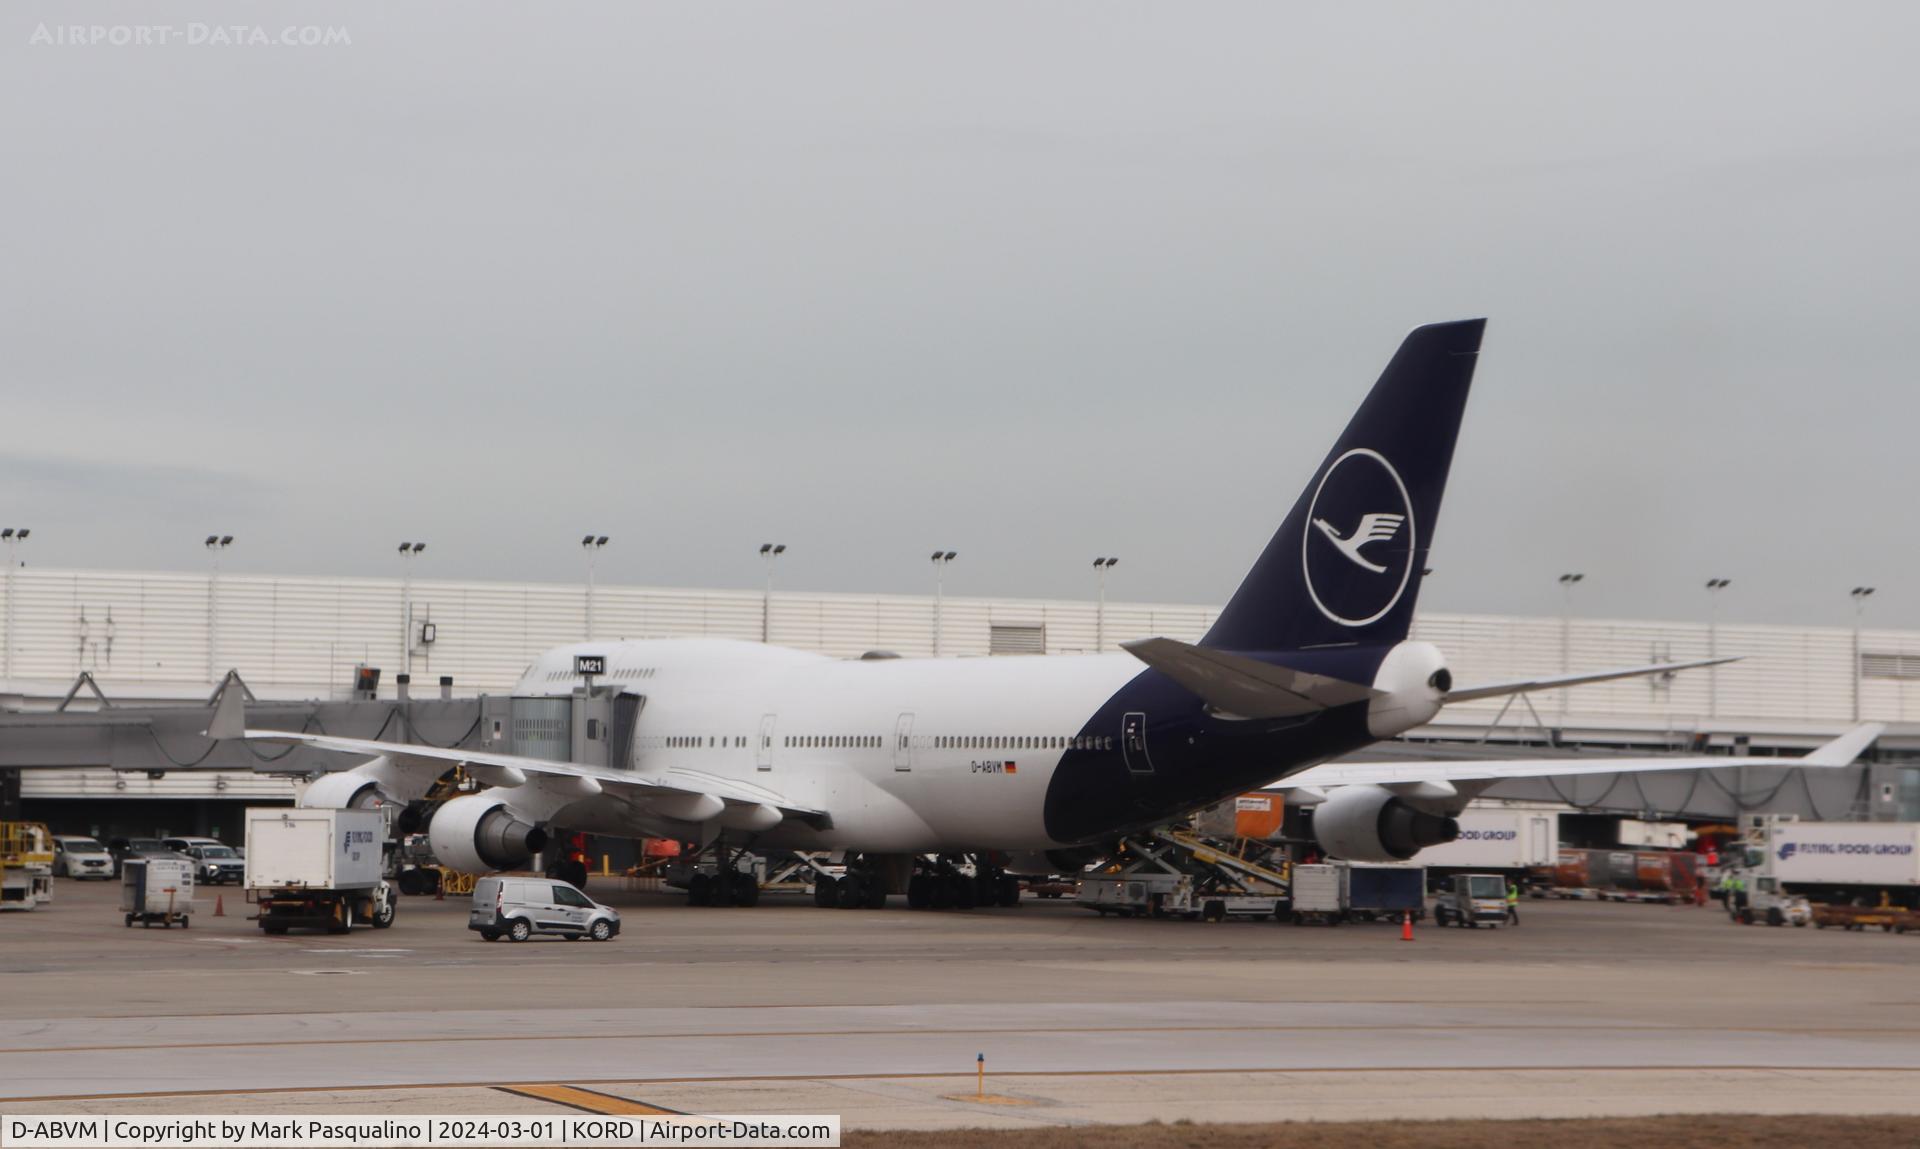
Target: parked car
x,y
123,848
78,856
214,862
518,908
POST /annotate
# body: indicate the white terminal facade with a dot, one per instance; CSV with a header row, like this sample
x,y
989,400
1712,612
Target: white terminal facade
x,y
158,635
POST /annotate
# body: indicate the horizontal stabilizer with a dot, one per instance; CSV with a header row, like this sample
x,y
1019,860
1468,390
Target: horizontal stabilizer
x,y
1528,685
1245,687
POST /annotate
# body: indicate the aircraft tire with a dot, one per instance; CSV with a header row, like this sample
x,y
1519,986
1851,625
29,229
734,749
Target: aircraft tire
x,y
1009,891
917,898
853,892
825,891
876,891
746,890
700,890
962,893
939,893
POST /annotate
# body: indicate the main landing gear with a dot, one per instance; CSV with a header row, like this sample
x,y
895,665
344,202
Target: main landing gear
x,y
954,881
731,879
944,882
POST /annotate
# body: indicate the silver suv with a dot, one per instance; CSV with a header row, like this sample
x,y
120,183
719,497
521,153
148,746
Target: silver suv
x,y
518,908
214,862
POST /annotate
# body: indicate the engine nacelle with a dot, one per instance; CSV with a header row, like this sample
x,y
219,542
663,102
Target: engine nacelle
x,y
347,790
1369,824
478,832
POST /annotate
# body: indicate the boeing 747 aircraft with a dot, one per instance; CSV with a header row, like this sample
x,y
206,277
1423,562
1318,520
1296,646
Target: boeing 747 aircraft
x,y
897,762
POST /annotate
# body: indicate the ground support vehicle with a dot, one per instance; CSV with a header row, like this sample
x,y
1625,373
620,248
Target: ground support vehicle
x,y
518,906
1512,841
1472,900
1333,892
1664,877
1175,874
1319,894
157,890
1892,919
320,869
26,865
1866,864
1765,901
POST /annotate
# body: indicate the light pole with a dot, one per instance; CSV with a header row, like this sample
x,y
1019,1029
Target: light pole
x,y
1714,587
215,544
13,537
1860,595
1102,566
592,544
768,553
940,561
408,553
1567,582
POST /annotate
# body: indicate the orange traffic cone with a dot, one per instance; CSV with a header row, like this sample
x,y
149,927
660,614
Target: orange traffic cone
x,y
219,906
1406,927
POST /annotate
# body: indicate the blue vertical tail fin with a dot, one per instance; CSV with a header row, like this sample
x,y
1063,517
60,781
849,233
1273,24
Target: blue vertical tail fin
x,y
1345,567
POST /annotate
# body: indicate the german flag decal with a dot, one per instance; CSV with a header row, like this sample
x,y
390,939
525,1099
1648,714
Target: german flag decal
x,y
1012,768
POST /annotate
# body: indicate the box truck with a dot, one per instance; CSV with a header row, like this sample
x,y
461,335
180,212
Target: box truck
x,y
1495,838
1857,863
324,869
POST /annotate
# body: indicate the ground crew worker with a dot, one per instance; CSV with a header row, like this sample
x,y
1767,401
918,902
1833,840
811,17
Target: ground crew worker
x,y
1513,903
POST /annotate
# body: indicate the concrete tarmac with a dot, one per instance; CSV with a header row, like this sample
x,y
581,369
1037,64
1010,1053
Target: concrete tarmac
x,y
878,1015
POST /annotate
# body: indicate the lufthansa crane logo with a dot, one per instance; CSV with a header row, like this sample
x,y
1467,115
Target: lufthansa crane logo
x,y
1376,527
1358,546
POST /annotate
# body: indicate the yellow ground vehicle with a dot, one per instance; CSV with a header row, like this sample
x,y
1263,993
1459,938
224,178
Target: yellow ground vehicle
x,y
26,865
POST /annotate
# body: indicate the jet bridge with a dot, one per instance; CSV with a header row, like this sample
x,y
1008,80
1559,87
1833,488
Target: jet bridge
x,y
594,726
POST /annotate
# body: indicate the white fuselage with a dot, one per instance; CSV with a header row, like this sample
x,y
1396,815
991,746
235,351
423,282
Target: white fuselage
x,y
909,755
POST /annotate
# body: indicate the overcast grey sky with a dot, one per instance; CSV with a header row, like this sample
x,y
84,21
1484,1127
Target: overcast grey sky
x,y
1033,282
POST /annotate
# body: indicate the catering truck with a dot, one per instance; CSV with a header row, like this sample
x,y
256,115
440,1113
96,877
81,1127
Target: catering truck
x,y
1496,839
322,869
1844,863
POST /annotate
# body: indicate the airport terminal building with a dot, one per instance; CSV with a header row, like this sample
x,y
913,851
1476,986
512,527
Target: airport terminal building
x,y
147,637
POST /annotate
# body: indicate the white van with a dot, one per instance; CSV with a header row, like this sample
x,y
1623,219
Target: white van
x,y
520,907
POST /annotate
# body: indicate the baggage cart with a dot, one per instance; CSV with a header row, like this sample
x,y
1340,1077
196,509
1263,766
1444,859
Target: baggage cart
x,y
154,889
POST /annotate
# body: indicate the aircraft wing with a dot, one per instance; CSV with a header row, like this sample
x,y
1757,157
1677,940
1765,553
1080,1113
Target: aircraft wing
x,y
1435,779
516,770
1528,685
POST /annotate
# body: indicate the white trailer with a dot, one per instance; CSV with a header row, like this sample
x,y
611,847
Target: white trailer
x,y
1841,862
318,868
1497,838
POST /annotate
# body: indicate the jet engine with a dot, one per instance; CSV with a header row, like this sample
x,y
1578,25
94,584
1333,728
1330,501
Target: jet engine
x,y
1369,824
347,790
479,832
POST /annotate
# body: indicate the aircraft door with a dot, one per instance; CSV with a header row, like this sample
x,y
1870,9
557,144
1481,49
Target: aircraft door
x,y
1133,742
764,755
903,743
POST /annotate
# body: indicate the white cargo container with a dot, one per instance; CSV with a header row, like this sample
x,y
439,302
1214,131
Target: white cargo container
x,y
320,868
1496,838
315,849
1872,854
